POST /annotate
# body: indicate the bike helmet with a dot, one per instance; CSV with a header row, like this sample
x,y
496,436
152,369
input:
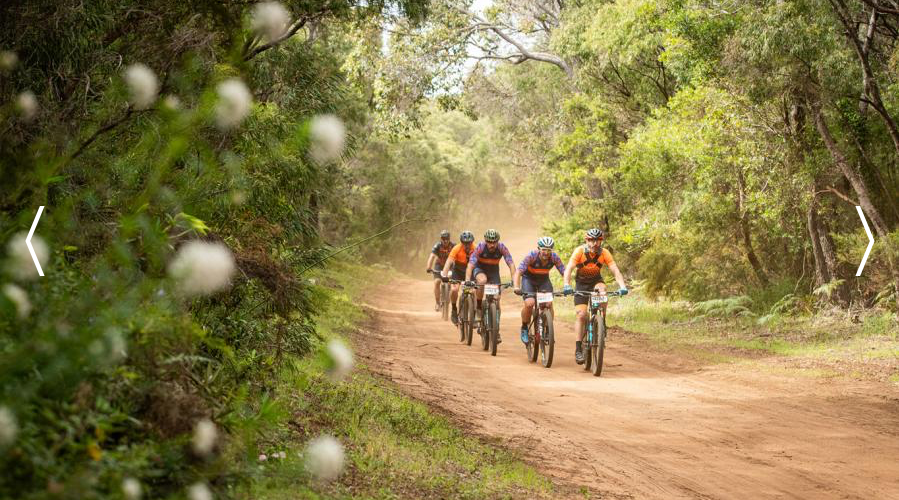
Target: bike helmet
x,y
444,234
466,237
594,233
546,242
491,235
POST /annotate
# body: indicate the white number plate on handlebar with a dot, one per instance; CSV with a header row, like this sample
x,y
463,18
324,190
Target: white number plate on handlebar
x,y
544,297
491,289
597,299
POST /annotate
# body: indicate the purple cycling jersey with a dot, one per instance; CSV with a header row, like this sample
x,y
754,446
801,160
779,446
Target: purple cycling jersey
x,y
533,266
483,257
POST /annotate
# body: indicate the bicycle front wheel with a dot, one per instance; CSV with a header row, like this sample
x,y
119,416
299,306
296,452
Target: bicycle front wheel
x,y
493,328
587,344
469,319
484,328
444,301
548,340
532,342
462,320
599,348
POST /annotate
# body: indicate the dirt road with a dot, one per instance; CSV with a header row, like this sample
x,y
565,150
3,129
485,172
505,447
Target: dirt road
x,y
649,427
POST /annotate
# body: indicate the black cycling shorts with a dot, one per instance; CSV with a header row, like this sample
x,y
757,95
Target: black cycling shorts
x,y
492,275
584,286
534,285
459,272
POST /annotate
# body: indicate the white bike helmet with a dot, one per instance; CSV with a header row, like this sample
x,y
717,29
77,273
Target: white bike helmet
x,y
546,242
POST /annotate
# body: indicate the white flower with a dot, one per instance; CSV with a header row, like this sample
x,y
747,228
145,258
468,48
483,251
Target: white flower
x,y
324,458
19,298
118,349
263,458
8,426
342,357
27,104
327,136
202,268
172,102
8,60
142,85
234,103
199,491
131,488
205,435
270,19
19,263
281,454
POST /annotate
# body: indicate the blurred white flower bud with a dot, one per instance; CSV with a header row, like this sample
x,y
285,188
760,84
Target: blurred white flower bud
x,y
324,458
27,105
172,102
202,268
270,19
342,357
19,262
142,85
199,491
8,426
19,298
131,488
263,458
234,103
8,60
327,136
205,436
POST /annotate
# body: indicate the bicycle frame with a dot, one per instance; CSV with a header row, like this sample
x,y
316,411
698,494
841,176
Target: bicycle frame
x,y
537,341
594,342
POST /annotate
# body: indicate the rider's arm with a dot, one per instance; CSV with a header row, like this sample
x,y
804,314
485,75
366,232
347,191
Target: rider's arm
x,y
516,280
431,259
472,260
566,276
468,271
507,256
558,262
617,273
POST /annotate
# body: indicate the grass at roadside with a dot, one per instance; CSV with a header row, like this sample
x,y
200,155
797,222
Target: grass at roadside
x,y
395,446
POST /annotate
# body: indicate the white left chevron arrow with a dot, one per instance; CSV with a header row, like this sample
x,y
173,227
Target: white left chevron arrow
x,y
37,263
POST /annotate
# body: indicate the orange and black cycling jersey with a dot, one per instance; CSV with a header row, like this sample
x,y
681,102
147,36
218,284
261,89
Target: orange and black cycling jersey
x,y
460,254
589,264
442,251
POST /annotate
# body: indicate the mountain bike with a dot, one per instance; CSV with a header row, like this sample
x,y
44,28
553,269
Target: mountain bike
x,y
488,326
594,343
541,336
466,308
444,294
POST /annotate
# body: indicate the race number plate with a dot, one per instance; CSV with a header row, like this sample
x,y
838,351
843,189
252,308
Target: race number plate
x,y
491,289
597,299
544,297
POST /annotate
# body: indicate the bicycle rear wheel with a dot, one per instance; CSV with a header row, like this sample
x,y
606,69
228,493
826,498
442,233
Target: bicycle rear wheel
x,y
548,340
599,348
493,329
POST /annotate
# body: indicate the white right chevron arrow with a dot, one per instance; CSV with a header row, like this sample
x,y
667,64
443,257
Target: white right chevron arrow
x,y
870,240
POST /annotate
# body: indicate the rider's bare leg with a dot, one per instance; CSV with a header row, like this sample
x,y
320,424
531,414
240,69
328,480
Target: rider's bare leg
x,y
526,311
437,291
481,280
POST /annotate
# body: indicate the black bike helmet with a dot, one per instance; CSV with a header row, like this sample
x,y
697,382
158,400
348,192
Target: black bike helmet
x,y
595,233
491,235
546,242
466,237
444,234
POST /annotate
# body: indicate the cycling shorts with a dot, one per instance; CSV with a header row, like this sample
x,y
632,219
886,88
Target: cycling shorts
x,y
459,271
534,285
492,274
584,286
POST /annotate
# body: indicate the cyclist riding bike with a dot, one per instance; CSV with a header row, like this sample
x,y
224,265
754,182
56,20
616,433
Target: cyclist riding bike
x,y
457,261
587,260
483,265
532,276
437,259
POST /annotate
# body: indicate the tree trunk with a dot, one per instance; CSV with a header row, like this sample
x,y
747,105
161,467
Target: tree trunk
x,y
745,234
822,273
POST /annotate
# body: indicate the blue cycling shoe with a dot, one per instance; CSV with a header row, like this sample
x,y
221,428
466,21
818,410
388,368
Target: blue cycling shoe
x,y
524,334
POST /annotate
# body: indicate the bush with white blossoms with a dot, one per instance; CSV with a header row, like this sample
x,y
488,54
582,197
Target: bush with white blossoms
x,y
8,426
202,267
199,491
131,488
234,103
270,19
8,60
323,458
341,358
205,437
19,298
143,85
27,105
19,262
327,137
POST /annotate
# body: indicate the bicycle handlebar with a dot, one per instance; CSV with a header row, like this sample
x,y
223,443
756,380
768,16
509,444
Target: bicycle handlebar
x,y
528,295
587,294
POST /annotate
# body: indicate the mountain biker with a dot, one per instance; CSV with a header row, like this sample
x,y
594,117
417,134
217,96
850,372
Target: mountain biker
x,y
458,260
436,261
532,276
588,259
483,265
